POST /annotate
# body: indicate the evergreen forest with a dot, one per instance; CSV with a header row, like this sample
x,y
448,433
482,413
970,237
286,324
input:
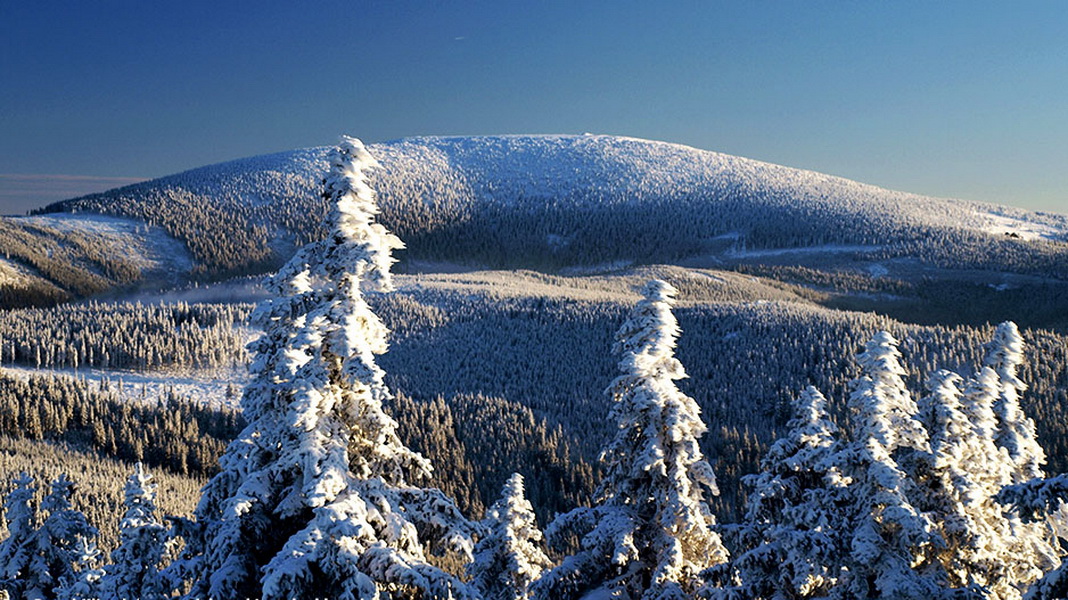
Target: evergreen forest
x,y
562,422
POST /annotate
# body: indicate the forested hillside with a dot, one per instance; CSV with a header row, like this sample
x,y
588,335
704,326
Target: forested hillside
x,y
125,336
490,358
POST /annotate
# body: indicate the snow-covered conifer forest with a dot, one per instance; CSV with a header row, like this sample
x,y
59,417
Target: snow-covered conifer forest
x,y
556,367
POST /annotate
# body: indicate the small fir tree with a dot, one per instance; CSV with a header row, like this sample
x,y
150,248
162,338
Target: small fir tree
x,y
17,551
509,557
966,520
134,568
649,534
56,547
1035,501
85,584
1035,546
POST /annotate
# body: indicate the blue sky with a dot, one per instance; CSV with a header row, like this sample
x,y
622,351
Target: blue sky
x,y
963,99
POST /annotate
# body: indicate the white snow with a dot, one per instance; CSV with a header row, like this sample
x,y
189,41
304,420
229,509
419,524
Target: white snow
x,y
205,387
150,248
824,249
1000,224
607,267
12,273
878,270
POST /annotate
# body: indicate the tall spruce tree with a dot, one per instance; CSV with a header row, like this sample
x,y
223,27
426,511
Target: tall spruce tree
x,y
967,520
1016,431
313,496
649,534
1033,544
888,533
509,557
986,545
993,470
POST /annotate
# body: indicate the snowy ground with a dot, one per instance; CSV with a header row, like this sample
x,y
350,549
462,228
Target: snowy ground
x,y
206,387
608,267
827,249
14,274
1026,230
232,291
878,270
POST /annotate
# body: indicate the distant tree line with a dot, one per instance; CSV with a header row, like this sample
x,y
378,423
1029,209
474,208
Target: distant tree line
x,y
125,336
169,433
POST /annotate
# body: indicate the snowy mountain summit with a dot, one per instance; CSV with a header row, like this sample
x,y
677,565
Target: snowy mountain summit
x,y
563,201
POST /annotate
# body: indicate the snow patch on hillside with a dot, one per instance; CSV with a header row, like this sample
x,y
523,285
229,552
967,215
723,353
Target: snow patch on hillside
x,y
150,248
204,387
827,249
1001,224
598,269
878,270
697,286
12,274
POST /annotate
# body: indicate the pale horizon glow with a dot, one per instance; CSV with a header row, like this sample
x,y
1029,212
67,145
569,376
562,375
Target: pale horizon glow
x,y
956,99
22,192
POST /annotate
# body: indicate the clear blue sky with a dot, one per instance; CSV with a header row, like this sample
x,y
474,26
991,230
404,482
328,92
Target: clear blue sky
x,y
951,98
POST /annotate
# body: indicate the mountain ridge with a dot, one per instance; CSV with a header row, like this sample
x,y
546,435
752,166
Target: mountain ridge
x,y
552,202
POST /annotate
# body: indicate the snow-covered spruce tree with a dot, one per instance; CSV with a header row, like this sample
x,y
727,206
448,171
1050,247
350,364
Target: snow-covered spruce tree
x,y
55,546
888,533
1033,544
992,470
792,526
975,532
509,557
133,571
1016,431
17,551
85,584
1033,501
1025,549
312,499
649,533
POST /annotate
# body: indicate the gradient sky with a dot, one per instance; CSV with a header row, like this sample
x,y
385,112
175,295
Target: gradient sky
x,y
963,99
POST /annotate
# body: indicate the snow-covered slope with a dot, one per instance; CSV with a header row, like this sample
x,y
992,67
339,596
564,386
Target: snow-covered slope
x,y
557,201
148,248
52,258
